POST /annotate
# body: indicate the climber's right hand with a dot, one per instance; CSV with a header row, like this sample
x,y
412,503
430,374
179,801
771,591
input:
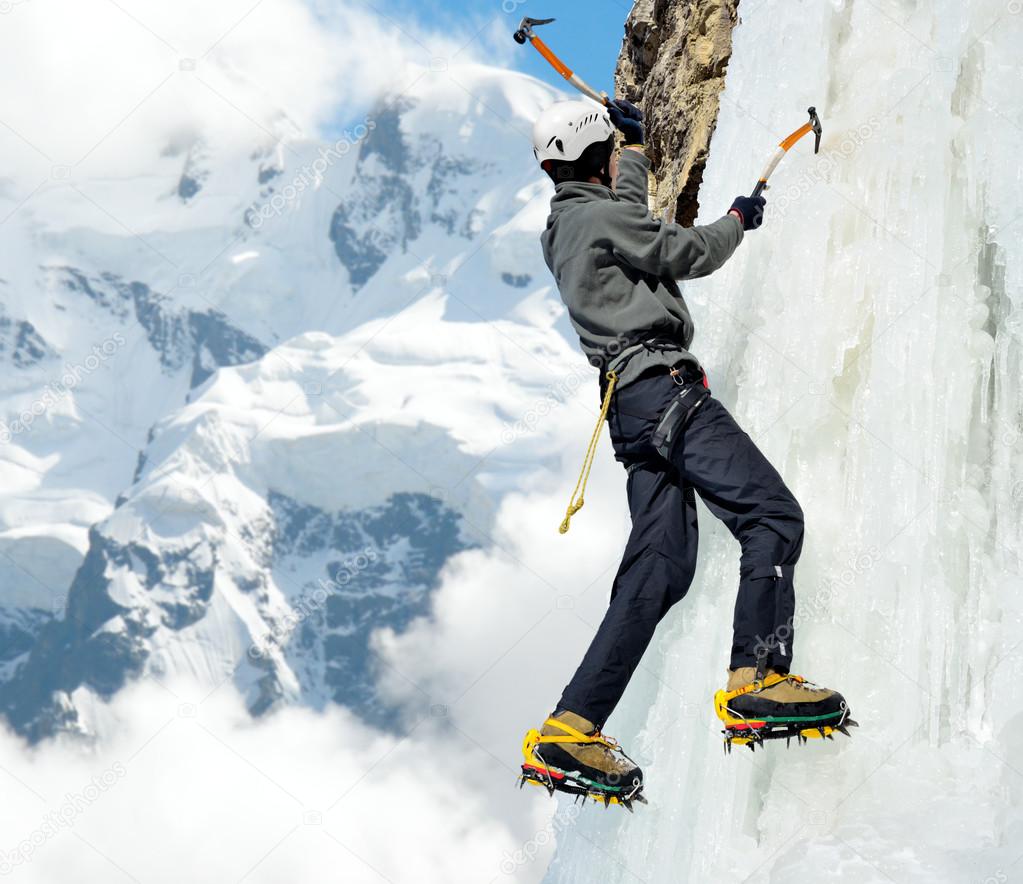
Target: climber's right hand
x,y
627,119
749,210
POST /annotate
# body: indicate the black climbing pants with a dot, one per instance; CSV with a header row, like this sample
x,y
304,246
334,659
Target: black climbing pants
x,y
714,458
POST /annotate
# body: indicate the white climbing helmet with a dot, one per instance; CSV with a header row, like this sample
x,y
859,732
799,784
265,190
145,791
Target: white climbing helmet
x,y
565,129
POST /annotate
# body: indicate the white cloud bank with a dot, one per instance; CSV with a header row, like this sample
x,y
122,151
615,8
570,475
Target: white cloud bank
x,y
104,87
183,785
189,791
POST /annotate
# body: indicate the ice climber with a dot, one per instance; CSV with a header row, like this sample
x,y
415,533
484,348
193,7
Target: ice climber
x,y
616,267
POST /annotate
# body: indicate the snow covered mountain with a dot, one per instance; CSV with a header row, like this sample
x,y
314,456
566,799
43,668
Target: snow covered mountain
x,y
243,439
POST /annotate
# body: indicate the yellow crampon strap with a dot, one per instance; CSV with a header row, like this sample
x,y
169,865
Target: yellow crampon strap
x,y
766,682
529,744
576,501
571,735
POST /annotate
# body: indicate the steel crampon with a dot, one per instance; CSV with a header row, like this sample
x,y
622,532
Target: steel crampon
x,y
538,772
740,730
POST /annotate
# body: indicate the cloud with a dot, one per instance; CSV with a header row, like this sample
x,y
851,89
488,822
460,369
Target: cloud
x,y
181,785
183,790
113,85
108,87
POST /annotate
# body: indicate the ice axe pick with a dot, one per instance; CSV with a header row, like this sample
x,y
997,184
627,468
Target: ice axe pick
x,y
814,125
525,32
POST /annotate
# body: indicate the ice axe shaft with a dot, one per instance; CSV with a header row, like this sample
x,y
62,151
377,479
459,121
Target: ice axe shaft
x,y
525,32
814,125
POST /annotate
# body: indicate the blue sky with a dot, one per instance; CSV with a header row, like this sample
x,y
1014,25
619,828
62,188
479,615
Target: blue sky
x,y
587,35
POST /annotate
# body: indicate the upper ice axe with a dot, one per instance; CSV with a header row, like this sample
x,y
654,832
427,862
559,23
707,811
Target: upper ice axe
x,y
814,125
525,32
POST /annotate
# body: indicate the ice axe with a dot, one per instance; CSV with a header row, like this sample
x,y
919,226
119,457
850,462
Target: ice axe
x,y
814,125
525,32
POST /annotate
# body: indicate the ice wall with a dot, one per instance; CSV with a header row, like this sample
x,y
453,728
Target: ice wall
x,y
869,337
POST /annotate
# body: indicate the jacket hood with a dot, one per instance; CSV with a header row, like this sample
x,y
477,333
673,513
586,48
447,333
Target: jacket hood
x,y
570,194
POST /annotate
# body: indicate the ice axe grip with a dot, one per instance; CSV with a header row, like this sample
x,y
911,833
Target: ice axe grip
x,y
814,125
555,62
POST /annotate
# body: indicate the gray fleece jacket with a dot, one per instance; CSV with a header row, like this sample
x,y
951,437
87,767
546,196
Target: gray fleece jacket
x,y
616,266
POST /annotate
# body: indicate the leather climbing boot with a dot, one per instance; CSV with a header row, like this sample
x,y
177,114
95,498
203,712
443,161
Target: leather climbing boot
x,y
777,705
570,755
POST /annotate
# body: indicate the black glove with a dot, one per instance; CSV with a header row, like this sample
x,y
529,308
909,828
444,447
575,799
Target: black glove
x,y
751,211
627,119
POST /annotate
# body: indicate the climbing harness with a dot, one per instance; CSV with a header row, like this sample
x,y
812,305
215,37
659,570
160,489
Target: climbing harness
x,y
677,416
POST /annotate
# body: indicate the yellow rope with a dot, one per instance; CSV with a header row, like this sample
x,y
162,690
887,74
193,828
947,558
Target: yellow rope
x,y
575,502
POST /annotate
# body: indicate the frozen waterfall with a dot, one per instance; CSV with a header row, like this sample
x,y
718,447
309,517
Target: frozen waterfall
x,y
869,337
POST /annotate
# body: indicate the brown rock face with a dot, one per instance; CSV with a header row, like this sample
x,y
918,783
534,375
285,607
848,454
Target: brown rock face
x,y
673,65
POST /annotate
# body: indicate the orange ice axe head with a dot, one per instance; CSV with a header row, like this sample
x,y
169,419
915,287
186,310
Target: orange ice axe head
x,y
525,32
